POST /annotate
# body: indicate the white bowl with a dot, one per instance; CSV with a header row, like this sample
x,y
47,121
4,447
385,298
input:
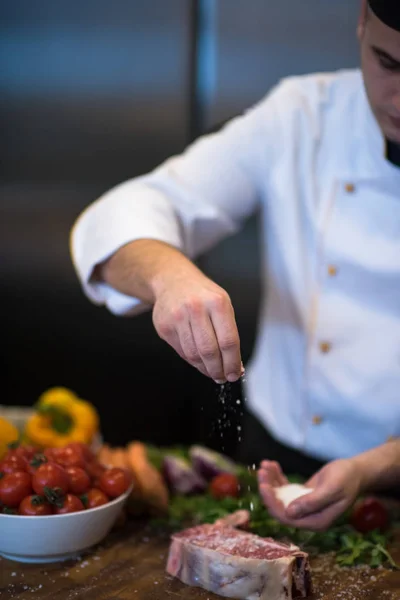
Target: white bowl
x,y
54,538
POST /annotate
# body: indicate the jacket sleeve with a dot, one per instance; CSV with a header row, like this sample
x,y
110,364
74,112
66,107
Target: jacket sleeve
x,y
191,202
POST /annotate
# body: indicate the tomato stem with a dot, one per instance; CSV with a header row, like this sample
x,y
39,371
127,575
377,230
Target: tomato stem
x,y
54,496
38,500
37,460
9,511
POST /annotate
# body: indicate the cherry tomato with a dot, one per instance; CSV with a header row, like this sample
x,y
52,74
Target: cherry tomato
x,y
14,487
114,482
35,506
78,480
369,514
12,464
70,504
36,461
225,485
50,475
49,454
24,452
69,457
83,449
94,498
95,469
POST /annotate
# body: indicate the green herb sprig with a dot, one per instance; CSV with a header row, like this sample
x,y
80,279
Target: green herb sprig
x,y
350,547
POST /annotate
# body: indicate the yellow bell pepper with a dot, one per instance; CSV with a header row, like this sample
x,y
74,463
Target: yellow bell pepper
x,y
8,434
60,418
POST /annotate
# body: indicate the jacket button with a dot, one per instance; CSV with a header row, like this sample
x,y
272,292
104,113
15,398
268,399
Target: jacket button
x,y
350,188
325,347
332,271
317,420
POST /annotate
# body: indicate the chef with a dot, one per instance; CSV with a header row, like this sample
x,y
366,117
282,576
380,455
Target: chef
x,y
320,156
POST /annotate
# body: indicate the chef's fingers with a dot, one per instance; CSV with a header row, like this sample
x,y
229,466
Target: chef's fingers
x,y
322,520
224,323
314,502
272,472
207,344
280,477
317,522
188,347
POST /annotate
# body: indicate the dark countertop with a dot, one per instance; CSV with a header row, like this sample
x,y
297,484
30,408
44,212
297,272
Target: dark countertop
x,y
131,564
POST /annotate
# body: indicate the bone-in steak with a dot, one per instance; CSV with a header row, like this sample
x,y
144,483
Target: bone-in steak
x,y
240,565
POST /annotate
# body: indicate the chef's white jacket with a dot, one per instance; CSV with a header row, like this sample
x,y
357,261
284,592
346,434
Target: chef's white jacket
x,y
325,373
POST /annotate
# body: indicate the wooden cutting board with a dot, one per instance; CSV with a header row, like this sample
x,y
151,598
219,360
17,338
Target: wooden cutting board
x,y
130,565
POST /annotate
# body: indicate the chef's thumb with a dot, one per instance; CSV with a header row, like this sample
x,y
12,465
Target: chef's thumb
x,y
312,503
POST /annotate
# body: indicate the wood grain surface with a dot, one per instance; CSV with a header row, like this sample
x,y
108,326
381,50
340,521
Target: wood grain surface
x,y
130,565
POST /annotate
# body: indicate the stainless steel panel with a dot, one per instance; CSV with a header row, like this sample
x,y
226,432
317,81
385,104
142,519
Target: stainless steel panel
x,y
94,90
261,41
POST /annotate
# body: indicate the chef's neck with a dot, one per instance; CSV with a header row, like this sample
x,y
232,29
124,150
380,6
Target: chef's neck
x,y
393,153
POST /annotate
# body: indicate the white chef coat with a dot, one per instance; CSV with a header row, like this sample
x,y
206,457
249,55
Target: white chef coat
x,y
325,373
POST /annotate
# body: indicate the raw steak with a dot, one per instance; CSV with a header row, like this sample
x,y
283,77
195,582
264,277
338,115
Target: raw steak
x,y
240,565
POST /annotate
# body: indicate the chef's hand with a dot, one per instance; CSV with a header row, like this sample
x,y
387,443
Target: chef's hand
x,y
195,316
335,488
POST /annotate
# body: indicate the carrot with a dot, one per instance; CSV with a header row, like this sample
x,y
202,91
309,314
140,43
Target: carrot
x,y
104,455
120,458
149,481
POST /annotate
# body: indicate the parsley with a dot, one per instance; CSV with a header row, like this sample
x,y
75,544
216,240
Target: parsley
x,y
350,547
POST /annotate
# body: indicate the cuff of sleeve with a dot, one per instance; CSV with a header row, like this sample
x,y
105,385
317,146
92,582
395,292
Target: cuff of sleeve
x,y
125,214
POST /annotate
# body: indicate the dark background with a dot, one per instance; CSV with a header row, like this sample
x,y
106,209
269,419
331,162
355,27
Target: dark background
x,y
93,93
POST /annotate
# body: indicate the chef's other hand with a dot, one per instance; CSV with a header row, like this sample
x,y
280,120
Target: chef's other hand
x,y
195,316
335,488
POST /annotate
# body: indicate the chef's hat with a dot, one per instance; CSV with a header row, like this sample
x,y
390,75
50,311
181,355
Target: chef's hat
x,y
388,11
